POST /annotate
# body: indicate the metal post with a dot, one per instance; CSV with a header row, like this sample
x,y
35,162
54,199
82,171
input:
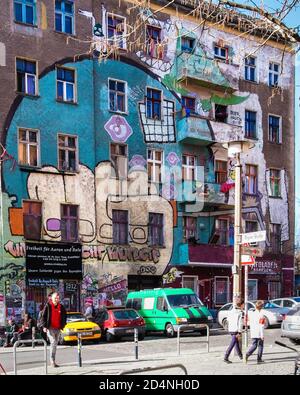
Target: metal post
x,y
33,337
178,341
79,347
15,356
246,304
136,343
237,232
207,337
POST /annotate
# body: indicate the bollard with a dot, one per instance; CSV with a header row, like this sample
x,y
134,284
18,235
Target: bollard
x,y
178,341
136,343
79,347
33,337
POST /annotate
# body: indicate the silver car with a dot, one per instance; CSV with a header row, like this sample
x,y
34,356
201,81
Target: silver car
x,y
286,302
290,326
273,314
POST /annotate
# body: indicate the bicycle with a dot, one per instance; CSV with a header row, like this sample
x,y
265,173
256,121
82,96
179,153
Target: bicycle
x,y
297,361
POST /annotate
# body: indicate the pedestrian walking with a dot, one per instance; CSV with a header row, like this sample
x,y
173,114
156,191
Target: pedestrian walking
x,y
54,320
257,325
235,328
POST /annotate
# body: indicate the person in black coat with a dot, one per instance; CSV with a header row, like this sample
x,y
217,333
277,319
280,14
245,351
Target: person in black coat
x,y
11,334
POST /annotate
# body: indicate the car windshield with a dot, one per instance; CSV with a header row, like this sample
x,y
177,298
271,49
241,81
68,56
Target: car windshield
x,y
270,305
184,300
126,315
76,317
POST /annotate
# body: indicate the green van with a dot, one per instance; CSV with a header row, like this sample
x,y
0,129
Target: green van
x,y
165,309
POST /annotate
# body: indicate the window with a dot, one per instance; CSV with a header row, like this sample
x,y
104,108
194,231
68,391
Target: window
x,y
189,104
275,183
64,16
221,172
154,102
69,222
118,157
274,70
221,290
222,228
26,77
189,228
275,238
67,153
25,11
251,226
189,167
116,31
156,229
221,53
250,68
274,129
187,44
155,162
65,84
274,288
250,124
117,96
221,113
32,220
28,147
154,46
252,290
120,227
190,282
161,304
250,182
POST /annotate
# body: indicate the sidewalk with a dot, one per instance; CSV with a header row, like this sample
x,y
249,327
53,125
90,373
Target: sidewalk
x,y
277,362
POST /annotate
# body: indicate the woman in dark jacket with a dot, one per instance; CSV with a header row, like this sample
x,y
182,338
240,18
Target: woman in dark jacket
x,y
27,327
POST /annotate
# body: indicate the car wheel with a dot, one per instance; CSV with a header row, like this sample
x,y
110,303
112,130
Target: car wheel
x,y
109,337
225,325
267,323
169,330
296,342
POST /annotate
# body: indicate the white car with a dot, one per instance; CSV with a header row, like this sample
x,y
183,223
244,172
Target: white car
x,y
287,302
273,314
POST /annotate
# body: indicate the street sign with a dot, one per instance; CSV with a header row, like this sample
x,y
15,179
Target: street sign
x,y
253,251
247,260
254,237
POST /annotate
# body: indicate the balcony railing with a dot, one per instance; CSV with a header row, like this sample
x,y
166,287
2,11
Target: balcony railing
x,y
194,130
208,72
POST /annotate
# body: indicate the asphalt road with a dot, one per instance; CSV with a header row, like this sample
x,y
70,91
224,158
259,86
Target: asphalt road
x,y
155,343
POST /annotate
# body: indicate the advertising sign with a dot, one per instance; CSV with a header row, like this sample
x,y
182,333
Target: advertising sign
x,y
55,261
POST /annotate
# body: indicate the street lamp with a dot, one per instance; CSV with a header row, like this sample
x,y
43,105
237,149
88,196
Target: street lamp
x,y
235,149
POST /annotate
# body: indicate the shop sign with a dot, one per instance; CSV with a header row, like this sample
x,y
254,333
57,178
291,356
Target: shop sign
x,y
266,267
43,282
71,287
55,261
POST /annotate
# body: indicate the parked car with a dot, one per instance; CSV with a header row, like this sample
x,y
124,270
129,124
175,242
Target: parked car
x,y
116,323
77,323
287,302
165,309
273,314
290,326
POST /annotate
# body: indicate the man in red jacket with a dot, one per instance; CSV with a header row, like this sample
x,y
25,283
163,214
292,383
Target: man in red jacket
x,y
53,320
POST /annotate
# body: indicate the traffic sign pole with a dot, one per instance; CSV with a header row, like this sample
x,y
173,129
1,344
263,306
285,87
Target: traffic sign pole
x,y
246,305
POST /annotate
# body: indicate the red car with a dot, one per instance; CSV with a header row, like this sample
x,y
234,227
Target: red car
x,y
116,323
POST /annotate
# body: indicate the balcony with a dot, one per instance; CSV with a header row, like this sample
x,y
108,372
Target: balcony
x,y
207,193
194,130
223,132
211,255
207,72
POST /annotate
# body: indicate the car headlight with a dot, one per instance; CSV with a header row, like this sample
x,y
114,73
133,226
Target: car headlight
x,y
69,330
181,320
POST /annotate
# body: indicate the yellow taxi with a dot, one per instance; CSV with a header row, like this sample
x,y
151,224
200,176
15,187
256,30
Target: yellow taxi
x,y
77,324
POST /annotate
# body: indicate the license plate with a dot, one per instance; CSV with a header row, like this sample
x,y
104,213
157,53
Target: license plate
x,y
129,331
86,333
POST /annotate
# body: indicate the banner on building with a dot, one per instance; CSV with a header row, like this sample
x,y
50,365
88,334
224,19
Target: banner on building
x,y
55,261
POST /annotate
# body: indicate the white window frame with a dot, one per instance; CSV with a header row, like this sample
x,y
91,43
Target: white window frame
x,y
28,145
26,77
189,168
272,72
219,56
270,185
215,289
218,229
248,67
65,83
115,39
63,22
154,162
256,286
280,128
195,278
115,175
125,96
67,149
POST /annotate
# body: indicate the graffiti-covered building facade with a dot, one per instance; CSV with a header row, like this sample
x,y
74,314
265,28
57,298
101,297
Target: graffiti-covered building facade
x,y
113,171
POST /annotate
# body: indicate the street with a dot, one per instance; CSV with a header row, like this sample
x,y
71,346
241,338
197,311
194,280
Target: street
x,y
155,350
